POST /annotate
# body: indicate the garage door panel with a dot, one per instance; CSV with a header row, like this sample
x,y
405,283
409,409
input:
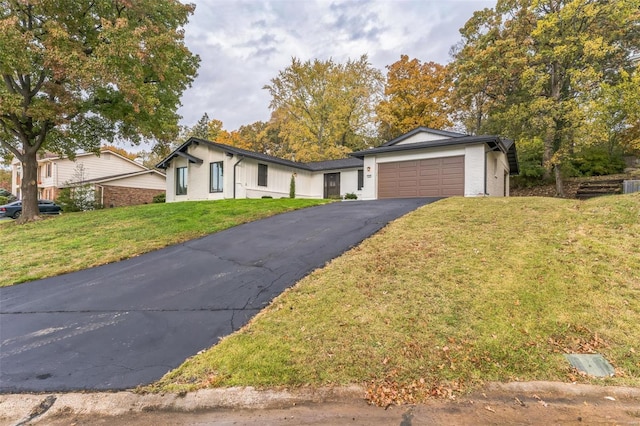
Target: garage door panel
x,y
433,177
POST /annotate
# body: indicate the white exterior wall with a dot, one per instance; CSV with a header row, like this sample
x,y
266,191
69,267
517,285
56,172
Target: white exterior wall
x,y
348,182
422,137
497,182
474,170
278,180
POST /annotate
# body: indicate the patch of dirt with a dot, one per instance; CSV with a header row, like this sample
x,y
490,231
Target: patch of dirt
x,y
570,186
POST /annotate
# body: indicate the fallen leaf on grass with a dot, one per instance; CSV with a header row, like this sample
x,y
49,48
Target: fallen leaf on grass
x,y
489,409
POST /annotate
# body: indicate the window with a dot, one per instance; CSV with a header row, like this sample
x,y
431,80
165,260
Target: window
x,y
215,176
181,181
360,179
48,174
262,175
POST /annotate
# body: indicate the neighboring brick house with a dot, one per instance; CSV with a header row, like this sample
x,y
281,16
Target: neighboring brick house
x,y
117,180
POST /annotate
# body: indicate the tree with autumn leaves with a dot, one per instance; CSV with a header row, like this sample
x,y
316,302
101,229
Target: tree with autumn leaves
x,y
556,70
78,74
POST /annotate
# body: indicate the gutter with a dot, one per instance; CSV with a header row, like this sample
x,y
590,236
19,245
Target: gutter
x,y
234,175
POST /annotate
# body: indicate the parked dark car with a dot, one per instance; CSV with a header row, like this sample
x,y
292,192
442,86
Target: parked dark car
x,y
14,209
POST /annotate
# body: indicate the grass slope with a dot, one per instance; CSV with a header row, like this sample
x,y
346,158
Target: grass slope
x,y
457,293
75,241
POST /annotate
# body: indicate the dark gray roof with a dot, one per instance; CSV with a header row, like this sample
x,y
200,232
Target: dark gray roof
x,y
112,177
495,142
356,158
342,163
423,129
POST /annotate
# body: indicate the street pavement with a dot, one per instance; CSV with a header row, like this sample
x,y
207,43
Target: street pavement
x,y
126,324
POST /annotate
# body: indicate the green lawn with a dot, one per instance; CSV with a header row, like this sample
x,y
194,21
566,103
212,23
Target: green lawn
x,y
75,241
457,293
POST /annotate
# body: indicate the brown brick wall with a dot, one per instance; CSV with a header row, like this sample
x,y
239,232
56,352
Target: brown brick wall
x,y
118,196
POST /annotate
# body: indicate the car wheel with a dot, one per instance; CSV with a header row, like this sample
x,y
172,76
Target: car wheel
x,y
17,214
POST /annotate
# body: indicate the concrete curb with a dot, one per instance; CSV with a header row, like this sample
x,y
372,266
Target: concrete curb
x,y
18,409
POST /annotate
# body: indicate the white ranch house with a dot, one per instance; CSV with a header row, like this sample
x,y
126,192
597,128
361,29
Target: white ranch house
x,y
421,163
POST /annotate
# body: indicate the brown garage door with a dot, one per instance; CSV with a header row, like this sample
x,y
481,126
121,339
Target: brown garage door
x,y
435,177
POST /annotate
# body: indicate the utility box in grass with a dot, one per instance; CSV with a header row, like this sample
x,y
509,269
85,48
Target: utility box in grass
x,y
629,186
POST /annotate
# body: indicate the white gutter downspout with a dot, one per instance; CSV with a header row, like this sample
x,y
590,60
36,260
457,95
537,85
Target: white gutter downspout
x,y
234,175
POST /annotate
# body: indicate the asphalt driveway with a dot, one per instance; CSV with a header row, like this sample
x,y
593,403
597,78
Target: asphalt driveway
x,y
125,324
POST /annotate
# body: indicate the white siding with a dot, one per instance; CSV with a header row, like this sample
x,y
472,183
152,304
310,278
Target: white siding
x,y
497,167
145,181
474,175
95,167
422,137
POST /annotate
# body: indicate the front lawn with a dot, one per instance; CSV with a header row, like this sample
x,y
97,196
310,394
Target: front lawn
x,y
75,241
455,294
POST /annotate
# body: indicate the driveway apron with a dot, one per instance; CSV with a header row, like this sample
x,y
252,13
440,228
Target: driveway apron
x,y
126,324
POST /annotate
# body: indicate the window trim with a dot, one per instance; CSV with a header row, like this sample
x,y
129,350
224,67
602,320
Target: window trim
x,y
263,173
178,186
220,184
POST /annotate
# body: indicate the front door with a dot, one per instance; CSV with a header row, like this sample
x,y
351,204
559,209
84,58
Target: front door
x,y
332,185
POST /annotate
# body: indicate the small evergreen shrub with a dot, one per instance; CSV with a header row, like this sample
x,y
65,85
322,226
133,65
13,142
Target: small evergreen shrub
x,y
267,196
160,198
350,196
292,187
3,200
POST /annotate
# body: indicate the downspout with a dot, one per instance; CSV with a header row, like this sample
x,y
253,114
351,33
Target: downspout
x,y
485,171
234,176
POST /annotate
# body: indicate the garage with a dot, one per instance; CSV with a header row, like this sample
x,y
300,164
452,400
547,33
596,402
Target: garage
x,y
433,177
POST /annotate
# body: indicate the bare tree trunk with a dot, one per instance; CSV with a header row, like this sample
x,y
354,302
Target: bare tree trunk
x,y
547,155
559,182
29,186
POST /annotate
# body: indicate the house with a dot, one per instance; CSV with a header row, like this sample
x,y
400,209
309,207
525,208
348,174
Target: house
x,y
421,163
116,180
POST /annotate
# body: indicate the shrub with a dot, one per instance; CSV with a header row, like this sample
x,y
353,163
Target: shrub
x,y
267,196
3,200
292,187
77,199
530,161
350,196
597,162
160,198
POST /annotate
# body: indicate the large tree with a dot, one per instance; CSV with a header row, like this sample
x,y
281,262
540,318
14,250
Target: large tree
x,y
416,94
539,63
325,109
75,74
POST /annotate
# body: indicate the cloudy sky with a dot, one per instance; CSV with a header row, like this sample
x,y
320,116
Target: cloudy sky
x,y
244,43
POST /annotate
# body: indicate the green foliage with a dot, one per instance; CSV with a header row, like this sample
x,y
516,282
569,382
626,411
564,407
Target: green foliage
x,y
540,69
292,187
77,199
597,162
266,197
160,198
3,200
78,76
350,196
530,161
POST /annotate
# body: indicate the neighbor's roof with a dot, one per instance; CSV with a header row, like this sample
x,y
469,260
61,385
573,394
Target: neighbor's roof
x,y
495,142
111,178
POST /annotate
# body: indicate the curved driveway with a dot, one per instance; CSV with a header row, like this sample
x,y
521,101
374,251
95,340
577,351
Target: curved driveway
x,y
125,324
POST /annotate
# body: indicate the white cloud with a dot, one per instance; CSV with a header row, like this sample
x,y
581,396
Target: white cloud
x,y
244,44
